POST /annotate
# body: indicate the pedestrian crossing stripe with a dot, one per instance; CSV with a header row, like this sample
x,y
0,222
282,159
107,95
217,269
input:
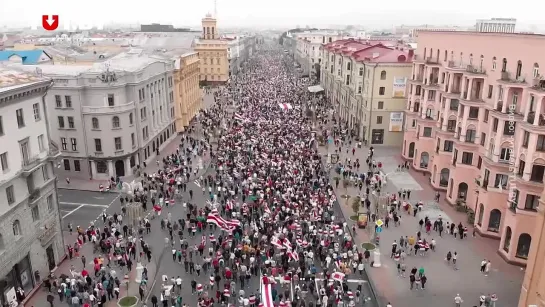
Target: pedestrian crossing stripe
x,y
197,183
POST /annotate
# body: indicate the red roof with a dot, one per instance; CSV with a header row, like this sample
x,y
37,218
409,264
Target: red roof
x,y
369,51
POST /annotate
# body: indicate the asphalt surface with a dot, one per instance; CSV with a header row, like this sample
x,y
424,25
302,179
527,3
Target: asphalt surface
x,y
80,208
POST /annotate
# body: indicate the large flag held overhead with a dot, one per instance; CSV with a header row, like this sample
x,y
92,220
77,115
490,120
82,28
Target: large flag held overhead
x,y
266,293
285,106
225,225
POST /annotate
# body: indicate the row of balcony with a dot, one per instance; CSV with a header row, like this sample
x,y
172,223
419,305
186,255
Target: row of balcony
x,y
29,164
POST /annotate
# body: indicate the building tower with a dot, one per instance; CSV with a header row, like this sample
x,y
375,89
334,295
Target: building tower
x,y
209,29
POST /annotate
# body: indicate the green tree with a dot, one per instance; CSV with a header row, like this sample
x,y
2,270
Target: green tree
x,y
356,205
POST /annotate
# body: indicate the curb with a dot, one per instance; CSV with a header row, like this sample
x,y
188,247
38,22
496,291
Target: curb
x,y
38,286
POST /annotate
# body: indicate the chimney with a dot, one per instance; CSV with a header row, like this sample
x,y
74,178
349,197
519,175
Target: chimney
x,y
411,53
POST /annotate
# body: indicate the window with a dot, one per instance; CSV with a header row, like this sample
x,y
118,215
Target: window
x,y
495,125
45,173
77,166
448,146
17,231
520,170
483,139
20,118
41,144
143,113
98,145
347,79
413,124
535,71
505,154
111,100
479,162
102,167
501,179
1,126
35,213
58,101
63,144
50,202
115,122
537,173
36,110
470,135
66,164
380,105
383,75
133,140
4,161
74,144
532,201
454,103
68,101
117,142
359,88
381,90
379,119
467,158
71,124
171,97
169,81
10,195
493,63
486,113
361,71
94,122
451,125
540,142
474,112
131,118
427,132
60,119
490,91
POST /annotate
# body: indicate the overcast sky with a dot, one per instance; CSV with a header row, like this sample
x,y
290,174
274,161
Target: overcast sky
x,y
280,13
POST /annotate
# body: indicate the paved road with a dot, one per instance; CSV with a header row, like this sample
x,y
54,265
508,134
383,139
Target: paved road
x,y
79,208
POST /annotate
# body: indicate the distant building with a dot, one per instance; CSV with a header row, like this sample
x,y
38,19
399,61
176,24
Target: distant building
x,y
212,52
25,57
155,27
497,25
187,93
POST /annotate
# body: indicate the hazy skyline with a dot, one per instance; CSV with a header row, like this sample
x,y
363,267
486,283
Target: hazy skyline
x,y
279,13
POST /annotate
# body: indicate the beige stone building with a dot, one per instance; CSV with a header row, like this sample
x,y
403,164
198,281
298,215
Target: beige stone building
x,y
366,82
187,93
212,50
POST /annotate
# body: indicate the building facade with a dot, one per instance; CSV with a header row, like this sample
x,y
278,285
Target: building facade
x,y
475,123
112,116
187,93
308,46
31,241
212,53
239,50
497,25
366,81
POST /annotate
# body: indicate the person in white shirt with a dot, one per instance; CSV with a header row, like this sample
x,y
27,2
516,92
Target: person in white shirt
x,y
388,305
458,300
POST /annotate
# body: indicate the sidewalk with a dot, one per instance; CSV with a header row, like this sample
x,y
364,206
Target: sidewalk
x,y
38,297
166,149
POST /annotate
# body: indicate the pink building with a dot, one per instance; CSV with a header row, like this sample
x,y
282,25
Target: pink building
x,y
475,121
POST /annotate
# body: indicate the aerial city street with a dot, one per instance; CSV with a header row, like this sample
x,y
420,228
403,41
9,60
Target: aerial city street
x,y
155,165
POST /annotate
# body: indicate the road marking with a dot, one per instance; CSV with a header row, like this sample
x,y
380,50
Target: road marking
x,y
98,197
67,214
83,205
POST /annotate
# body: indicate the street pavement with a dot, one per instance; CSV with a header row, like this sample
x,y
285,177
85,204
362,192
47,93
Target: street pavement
x,y
80,208
444,283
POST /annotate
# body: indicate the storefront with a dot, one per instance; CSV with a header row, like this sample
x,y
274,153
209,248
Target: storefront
x,y
19,276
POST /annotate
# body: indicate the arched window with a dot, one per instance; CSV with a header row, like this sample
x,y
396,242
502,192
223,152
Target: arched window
x,y
17,228
494,221
519,68
523,246
536,70
361,71
424,159
494,63
445,57
444,177
471,59
130,118
504,65
115,122
94,122
507,241
348,66
383,75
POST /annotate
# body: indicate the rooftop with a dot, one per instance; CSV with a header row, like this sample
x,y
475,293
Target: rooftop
x,y
11,79
371,51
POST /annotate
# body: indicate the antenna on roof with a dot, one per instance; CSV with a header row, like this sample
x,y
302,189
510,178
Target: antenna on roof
x,y
216,9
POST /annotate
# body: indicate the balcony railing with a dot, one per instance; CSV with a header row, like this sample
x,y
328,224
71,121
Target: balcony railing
x,y
508,77
431,60
531,118
31,162
107,109
499,107
34,195
538,84
475,70
456,65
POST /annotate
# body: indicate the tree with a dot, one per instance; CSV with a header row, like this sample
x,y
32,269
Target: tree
x,y
346,184
356,204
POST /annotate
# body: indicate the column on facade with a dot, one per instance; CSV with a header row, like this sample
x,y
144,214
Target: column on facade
x,y
504,100
93,168
111,171
537,112
128,167
469,89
